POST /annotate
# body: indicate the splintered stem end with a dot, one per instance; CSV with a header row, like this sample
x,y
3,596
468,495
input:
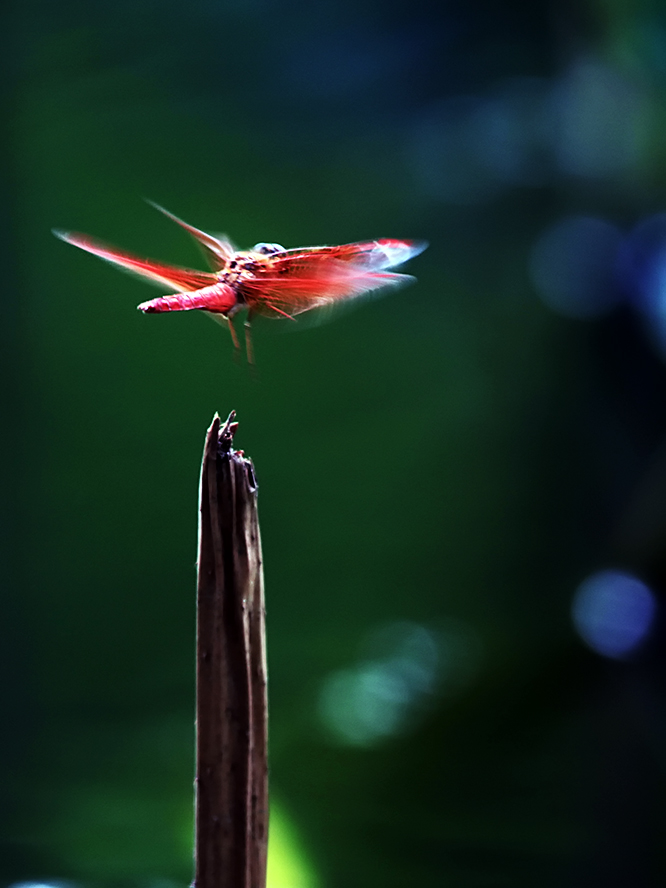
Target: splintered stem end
x,y
227,432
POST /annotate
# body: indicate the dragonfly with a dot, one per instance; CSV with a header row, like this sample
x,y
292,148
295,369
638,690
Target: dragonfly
x,y
266,281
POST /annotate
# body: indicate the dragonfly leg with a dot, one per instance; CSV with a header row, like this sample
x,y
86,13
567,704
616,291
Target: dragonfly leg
x,y
248,338
234,337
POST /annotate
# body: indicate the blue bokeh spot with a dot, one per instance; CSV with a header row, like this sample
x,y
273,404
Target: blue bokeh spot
x,y
613,612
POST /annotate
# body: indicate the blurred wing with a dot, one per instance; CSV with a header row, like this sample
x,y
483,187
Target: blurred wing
x,y
368,256
299,280
169,276
289,295
218,250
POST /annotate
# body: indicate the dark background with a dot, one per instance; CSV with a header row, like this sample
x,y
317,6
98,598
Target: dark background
x,y
439,470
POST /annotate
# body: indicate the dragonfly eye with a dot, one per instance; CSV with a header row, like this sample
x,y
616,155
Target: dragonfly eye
x,y
267,249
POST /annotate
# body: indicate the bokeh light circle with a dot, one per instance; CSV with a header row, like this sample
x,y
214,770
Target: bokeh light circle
x,y
613,613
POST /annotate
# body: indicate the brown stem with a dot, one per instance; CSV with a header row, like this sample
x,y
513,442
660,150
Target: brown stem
x,y
231,771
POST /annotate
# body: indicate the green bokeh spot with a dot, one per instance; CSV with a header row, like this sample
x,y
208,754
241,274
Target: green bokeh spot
x,y
288,866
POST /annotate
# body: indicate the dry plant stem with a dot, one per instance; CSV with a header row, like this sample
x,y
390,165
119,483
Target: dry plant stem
x,y
232,767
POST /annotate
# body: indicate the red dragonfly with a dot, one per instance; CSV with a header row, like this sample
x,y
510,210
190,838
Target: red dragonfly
x,y
267,280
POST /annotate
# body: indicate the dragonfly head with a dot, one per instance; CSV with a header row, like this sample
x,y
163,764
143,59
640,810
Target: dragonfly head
x,y
267,249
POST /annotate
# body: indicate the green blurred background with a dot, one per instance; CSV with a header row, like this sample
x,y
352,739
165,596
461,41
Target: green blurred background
x,y
462,486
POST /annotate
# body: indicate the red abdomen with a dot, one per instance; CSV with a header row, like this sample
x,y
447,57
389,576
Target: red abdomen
x,y
218,298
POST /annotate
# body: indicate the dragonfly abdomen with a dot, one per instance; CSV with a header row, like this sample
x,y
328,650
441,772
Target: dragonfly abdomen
x,y
218,298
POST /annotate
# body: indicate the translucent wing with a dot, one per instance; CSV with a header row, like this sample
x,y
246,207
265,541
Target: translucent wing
x,y
170,276
276,297
299,280
218,250
368,255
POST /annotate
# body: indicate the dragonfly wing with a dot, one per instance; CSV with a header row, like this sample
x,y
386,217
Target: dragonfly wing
x,y
299,280
218,250
387,253
365,255
338,283
169,276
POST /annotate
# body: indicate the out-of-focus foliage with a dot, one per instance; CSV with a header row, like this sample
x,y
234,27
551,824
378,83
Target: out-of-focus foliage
x,y
463,485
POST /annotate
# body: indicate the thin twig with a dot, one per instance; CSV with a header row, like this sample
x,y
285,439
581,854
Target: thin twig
x,y
232,771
